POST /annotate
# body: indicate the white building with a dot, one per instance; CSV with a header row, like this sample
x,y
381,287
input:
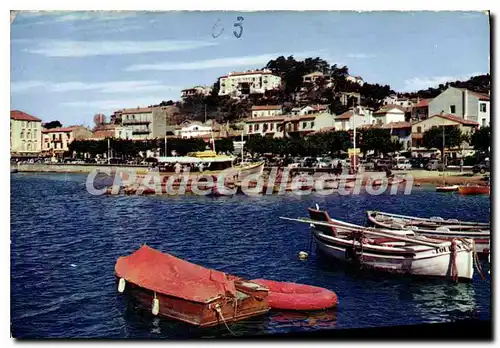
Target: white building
x,y
355,79
483,113
194,129
123,132
237,84
266,110
146,123
196,90
359,116
276,126
25,133
388,114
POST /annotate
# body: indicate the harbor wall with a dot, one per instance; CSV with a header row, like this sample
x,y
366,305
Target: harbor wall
x,y
74,168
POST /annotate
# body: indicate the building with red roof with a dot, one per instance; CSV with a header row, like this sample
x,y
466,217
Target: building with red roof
x,y
25,133
239,84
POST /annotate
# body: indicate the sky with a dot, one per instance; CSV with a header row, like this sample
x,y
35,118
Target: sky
x,y
68,66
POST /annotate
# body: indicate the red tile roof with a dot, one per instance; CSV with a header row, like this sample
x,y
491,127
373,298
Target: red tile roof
x,y
22,116
319,107
104,134
57,130
265,119
454,119
423,103
266,107
393,125
481,96
345,116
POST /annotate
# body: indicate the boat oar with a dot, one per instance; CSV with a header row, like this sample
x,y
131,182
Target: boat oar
x,y
368,230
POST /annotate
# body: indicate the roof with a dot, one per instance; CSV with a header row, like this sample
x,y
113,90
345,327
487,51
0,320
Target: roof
x,y
266,107
22,116
454,119
423,103
56,130
481,96
104,134
319,107
345,116
265,119
386,108
393,125
136,111
169,275
315,73
256,72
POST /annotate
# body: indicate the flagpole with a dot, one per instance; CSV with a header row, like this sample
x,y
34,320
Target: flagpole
x,y
242,145
109,151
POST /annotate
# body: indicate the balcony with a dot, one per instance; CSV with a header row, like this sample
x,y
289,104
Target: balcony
x,y
126,122
141,131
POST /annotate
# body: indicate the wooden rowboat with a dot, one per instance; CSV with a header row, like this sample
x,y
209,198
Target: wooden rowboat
x,y
391,252
181,290
474,190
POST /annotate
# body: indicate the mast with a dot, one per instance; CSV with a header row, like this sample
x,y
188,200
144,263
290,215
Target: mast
x,y
444,180
242,145
166,144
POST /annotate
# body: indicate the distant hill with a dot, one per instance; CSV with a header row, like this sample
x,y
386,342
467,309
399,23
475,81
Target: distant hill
x,y
480,83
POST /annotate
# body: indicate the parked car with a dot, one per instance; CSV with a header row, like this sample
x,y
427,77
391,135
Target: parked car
x,y
419,162
481,167
403,164
383,164
435,164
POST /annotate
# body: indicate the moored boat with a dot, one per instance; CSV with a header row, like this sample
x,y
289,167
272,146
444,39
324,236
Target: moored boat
x,y
389,252
435,227
447,188
474,190
184,291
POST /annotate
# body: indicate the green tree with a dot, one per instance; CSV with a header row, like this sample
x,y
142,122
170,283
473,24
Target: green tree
x,y
433,137
52,124
481,139
377,140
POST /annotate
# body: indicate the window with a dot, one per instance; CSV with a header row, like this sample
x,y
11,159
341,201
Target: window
x,y
304,125
257,127
419,129
250,128
482,107
22,135
452,109
271,126
312,124
483,122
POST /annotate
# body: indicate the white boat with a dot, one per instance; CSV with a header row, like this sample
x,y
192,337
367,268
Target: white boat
x,y
447,188
435,227
387,251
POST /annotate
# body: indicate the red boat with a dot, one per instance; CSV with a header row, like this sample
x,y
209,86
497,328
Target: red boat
x,y
292,296
181,290
474,190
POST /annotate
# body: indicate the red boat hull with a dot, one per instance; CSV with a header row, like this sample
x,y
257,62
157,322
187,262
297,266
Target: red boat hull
x,y
292,296
474,190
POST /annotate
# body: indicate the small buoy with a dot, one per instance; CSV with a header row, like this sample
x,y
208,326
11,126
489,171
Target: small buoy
x,y
156,306
121,285
73,265
317,206
303,255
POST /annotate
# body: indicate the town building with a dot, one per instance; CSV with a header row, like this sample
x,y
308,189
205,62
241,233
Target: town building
x,y
460,102
194,129
359,117
400,131
266,110
145,123
441,120
277,126
355,79
420,110
312,77
196,90
56,141
25,133
309,109
350,99
238,84
123,132
389,113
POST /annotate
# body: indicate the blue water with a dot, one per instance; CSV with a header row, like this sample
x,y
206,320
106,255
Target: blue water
x,y
65,243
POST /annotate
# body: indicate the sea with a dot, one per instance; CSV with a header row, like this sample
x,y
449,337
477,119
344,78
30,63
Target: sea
x,y
65,243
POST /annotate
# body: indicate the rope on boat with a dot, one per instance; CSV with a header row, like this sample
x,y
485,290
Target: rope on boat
x,y
218,310
475,257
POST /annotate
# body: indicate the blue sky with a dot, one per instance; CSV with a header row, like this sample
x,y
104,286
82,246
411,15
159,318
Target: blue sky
x,y
69,66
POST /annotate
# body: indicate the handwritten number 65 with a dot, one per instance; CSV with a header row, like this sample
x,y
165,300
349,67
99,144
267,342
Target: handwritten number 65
x,y
238,25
